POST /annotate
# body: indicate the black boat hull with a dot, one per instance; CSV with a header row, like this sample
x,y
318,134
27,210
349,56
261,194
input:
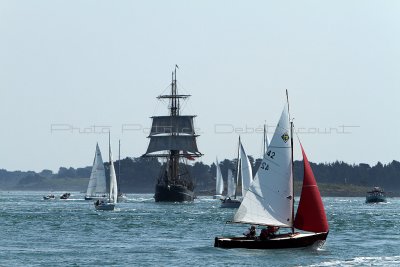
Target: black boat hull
x,y
230,203
278,242
375,199
173,193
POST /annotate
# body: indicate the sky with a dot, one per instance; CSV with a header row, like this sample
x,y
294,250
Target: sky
x,y
71,70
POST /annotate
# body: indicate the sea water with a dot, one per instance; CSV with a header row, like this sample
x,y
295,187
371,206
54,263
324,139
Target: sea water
x,y
140,232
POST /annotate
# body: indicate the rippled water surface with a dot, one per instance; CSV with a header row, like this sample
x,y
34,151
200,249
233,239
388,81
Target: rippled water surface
x,y
35,232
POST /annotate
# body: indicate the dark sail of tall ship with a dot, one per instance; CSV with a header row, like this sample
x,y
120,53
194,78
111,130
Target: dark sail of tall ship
x,y
173,138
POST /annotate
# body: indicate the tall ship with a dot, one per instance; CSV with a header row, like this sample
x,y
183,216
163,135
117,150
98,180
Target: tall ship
x,y
173,139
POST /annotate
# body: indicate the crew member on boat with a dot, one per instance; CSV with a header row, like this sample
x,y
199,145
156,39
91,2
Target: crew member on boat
x,y
251,232
269,232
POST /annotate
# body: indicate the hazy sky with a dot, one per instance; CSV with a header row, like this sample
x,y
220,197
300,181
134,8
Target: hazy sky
x,y
70,65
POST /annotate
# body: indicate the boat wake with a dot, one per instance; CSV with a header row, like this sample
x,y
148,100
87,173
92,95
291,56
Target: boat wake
x,y
318,245
361,261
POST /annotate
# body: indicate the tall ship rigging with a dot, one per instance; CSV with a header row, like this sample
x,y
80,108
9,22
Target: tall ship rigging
x,y
173,138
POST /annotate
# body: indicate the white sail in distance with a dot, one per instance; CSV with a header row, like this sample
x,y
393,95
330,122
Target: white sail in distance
x,y
97,180
219,187
269,198
245,167
231,184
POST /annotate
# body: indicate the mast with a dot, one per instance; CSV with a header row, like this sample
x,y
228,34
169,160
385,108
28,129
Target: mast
x,y
264,141
237,169
174,157
291,145
119,164
109,156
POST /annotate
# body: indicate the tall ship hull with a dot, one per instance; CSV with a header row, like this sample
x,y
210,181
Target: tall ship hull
x,y
172,193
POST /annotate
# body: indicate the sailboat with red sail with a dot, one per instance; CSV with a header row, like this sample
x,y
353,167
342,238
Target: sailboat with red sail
x,y
269,201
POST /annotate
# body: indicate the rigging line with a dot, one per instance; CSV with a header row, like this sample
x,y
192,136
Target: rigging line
x,y
184,102
163,101
297,135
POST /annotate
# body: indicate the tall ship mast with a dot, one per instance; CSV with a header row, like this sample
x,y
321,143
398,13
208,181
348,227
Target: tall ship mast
x,y
173,138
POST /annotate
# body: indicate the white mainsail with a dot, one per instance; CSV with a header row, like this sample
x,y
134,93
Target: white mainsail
x,y
245,168
113,181
219,187
231,184
97,180
269,198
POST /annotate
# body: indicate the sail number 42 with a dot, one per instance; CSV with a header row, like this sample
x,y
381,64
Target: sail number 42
x,y
264,165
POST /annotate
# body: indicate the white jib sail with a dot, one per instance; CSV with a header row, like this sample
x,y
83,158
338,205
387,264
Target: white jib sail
x,y
219,187
269,198
231,184
266,144
113,182
247,173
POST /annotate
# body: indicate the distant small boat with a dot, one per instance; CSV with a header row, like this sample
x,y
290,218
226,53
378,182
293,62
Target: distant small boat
x,y
230,203
245,179
376,195
49,197
65,196
230,200
104,205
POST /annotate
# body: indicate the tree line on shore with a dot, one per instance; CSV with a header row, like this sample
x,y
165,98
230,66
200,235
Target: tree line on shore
x,y
140,174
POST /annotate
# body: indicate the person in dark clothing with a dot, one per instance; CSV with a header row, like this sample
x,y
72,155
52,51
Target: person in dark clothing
x,y
251,232
268,232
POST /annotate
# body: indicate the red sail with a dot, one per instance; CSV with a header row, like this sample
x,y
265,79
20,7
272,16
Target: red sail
x,y
310,215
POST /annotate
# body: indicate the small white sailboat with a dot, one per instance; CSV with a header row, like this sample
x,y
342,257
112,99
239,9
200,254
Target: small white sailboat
x,y
97,181
244,177
219,182
230,201
109,204
270,200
